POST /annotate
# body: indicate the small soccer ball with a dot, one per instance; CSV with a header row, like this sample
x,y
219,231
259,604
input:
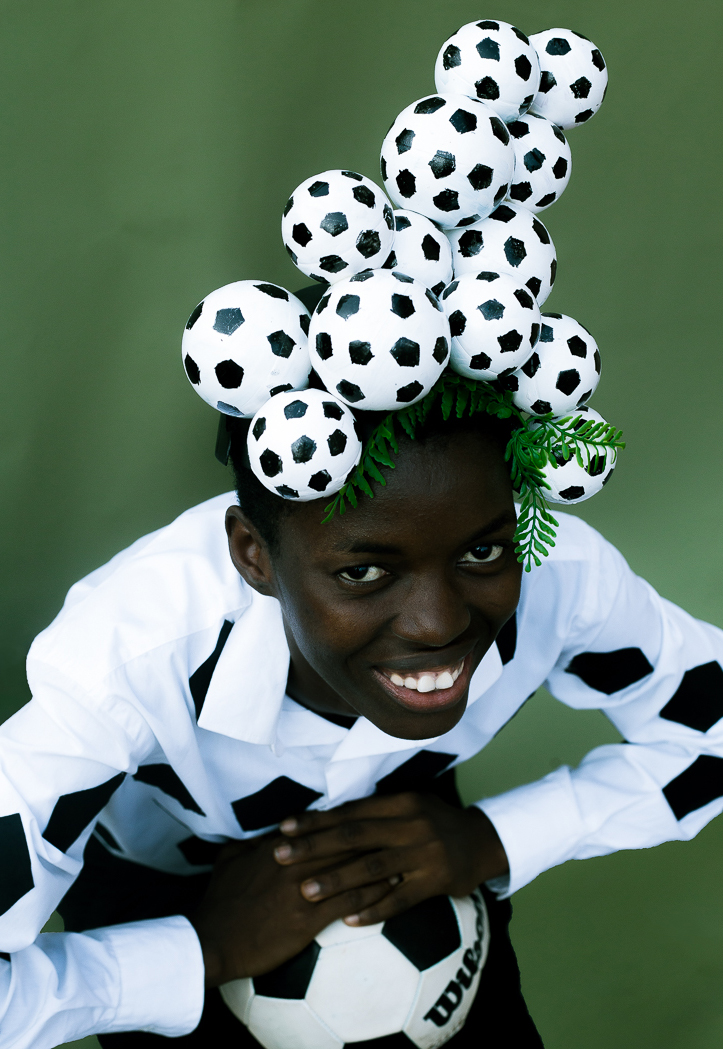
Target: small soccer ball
x,y
511,240
379,340
493,61
336,224
574,77
494,323
303,445
569,482
244,343
448,157
409,981
563,372
543,162
422,251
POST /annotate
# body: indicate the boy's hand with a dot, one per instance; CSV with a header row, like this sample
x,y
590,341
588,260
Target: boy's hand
x,y
431,848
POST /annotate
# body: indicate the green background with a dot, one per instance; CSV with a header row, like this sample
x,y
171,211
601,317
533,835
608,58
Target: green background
x,y
147,149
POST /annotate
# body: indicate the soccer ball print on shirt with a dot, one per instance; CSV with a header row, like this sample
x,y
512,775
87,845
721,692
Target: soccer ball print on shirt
x,y
543,162
379,341
562,373
492,61
574,77
409,981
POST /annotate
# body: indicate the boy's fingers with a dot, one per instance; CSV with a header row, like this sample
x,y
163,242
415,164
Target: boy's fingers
x,y
378,806
369,869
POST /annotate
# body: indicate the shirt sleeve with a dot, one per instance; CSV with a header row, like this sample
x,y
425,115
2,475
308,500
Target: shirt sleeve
x,y
62,757
655,671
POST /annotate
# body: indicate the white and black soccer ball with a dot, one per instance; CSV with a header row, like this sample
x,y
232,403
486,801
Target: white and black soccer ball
x,y
563,372
571,483
493,61
494,323
512,240
245,342
543,162
448,157
421,250
336,224
303,445
574,77
409,981
379,340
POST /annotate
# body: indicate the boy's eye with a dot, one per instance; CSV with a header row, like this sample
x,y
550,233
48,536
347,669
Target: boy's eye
x,y
363,573
482,554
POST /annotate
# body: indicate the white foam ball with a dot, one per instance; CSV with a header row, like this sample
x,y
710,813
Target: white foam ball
x,y
493,61
421,250
494,323
379,340
571,483
511,240
336,224
574,77
562,373
448,157
303,445
543,162
244,342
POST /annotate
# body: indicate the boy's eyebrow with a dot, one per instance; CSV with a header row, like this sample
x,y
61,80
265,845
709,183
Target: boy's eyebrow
x,y
367,546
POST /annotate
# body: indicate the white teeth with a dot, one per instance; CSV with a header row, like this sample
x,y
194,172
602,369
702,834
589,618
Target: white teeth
x,y
396,679
444,680
410,682
426,683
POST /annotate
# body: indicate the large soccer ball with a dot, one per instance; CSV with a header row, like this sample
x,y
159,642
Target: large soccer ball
x,y
494,323
303,445
379,341
336,224
448,157
409,981
422,251
563,372
571,483
493,61
543,162
574,77
244,343
511,240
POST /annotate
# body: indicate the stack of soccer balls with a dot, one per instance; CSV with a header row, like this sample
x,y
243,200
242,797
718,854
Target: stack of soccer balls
x,y
453,278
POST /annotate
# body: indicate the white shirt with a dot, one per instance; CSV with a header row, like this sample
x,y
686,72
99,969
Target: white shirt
x,y
159,722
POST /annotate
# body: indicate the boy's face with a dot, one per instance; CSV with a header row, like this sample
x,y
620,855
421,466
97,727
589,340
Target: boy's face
x,y
410,588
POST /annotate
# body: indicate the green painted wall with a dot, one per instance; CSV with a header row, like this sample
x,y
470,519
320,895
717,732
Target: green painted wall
x,y
147,148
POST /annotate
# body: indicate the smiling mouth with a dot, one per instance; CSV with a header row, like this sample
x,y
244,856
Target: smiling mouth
x,y
427,690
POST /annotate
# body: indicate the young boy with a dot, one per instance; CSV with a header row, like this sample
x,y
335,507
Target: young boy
x,y
286,699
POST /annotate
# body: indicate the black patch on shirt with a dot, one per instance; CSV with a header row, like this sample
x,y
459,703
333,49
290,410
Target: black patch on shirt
x,y
281,798
387,1041
200,679
106,837
291,979
698,702
701,783
5,957
163,777
417,773
507,639
199,852
73,812
16,875
610,672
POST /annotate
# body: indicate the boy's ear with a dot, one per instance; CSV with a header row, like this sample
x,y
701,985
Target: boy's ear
x,y
249,552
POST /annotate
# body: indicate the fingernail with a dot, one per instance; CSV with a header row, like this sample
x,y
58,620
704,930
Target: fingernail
x,y
288,826
311,888
352,919
283,852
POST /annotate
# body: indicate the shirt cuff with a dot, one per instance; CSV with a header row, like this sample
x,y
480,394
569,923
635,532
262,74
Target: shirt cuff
x,y
539,826
161,972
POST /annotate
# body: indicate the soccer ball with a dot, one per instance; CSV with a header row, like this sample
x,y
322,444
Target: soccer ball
x,y
421,251
336,224
379,340
562,373
303,445
511,240
449,157
409,981
494,323
569,482
244,343
543,162
492,61
574,77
